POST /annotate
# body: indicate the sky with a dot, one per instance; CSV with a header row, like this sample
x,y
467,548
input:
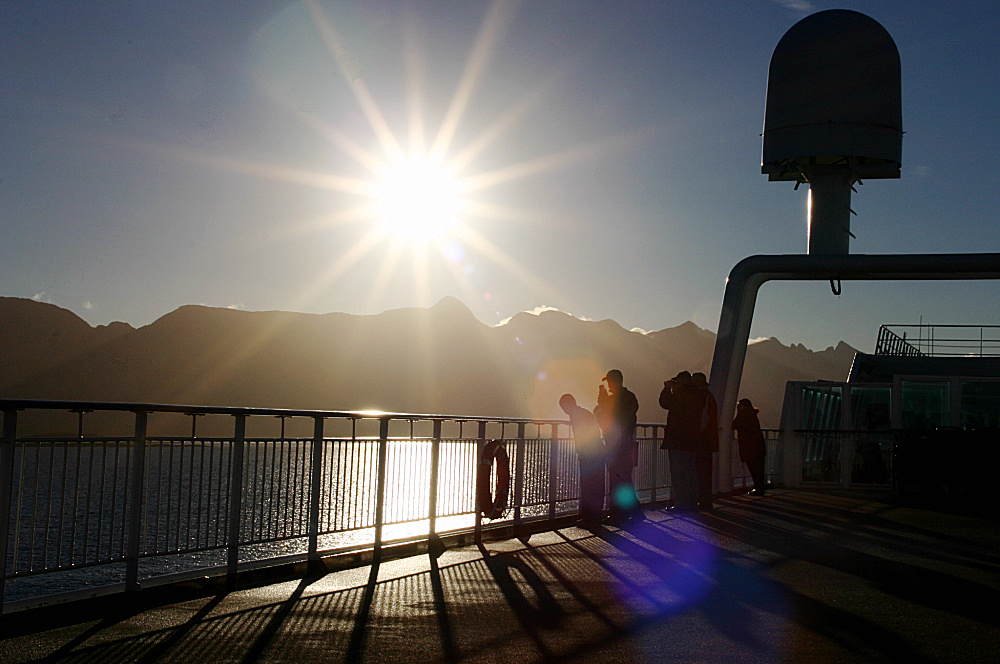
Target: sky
x,y
597,157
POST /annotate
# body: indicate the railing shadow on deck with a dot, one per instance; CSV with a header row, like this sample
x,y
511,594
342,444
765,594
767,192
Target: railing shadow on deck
x,y
578,593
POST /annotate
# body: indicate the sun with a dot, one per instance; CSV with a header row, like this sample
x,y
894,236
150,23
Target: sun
x,y
422,195
417,199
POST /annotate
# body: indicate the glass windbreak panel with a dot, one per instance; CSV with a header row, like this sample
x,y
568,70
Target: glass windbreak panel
x,y
821,456
873,442
925,404
870,408
821,407
872,461
981,405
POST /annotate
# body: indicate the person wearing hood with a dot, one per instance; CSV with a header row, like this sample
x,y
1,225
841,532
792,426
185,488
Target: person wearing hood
x,y
750,438
708,439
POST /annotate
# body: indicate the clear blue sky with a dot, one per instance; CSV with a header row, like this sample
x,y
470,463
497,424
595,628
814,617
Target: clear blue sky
x,y
607,154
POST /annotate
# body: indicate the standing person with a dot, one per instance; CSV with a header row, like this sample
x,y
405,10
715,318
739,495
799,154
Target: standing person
x,y
753,449
708,439
680,438
591,453
616,413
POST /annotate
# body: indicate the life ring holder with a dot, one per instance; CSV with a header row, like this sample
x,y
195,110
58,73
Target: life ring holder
x,y
490,506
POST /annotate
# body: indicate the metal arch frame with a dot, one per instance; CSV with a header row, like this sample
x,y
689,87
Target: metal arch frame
x,y
752,272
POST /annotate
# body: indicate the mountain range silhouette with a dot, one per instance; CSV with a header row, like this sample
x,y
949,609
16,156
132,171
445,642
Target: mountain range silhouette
x,y
440,360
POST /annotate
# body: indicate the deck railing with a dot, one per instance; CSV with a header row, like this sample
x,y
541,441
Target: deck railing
x,y
939,340
258,486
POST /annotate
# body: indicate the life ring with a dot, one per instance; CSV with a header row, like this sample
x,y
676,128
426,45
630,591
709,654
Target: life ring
x,y
489,506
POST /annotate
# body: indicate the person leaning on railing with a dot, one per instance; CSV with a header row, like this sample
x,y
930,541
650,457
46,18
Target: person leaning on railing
x,y
750,439
591,451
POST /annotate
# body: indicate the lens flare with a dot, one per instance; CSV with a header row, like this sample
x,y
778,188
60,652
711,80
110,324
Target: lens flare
x,y
625,499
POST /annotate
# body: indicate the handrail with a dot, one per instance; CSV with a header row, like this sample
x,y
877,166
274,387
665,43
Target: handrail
x,y
70,405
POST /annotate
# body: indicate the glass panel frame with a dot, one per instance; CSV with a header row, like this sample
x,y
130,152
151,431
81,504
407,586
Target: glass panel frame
x,y
980,405
925,404
871,419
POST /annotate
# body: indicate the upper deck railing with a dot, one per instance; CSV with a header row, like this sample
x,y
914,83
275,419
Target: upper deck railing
x,y
939,340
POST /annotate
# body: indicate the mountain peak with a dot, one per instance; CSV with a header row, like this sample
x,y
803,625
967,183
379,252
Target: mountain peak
x,y
451,305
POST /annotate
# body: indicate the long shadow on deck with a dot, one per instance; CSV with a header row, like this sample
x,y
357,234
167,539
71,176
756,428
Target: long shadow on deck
x,y
792,577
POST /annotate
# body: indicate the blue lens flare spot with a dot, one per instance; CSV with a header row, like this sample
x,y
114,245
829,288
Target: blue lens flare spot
x,y
625,498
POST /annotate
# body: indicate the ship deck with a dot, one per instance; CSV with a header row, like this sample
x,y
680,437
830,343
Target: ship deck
x,y
795,576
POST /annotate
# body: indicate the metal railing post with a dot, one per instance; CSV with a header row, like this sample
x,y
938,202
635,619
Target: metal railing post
x,y
435,460
553,462
235,515
137,484
519,475
480,446
315,488
435,547
655,453
6,491
383,453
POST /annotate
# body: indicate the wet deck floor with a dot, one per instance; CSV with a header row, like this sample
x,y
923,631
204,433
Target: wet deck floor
x,y
795,576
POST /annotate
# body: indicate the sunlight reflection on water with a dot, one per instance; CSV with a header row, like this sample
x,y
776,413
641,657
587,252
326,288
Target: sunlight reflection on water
x,y
73,502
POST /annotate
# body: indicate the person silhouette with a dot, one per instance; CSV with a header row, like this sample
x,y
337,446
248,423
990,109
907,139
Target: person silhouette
x,y
708,439
590,450
616,411
750,438
680,438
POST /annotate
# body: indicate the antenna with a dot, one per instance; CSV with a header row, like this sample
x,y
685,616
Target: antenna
x,y
833,116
